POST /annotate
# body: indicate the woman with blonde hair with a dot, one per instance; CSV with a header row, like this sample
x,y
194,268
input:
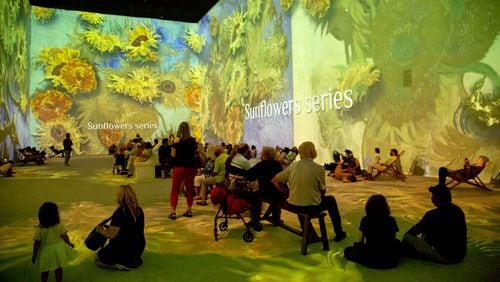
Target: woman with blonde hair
x,y
183,153
125,233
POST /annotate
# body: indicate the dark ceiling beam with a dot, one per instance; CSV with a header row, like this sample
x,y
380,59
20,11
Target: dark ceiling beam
x,y
174,10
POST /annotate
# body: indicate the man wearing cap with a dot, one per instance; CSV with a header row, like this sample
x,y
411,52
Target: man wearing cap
x,y
306,187
443,229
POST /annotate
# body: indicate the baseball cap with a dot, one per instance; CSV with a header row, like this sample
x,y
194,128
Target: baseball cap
x,y
441,192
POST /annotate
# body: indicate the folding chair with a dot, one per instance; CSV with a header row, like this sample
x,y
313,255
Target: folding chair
x,y
472,179
393,169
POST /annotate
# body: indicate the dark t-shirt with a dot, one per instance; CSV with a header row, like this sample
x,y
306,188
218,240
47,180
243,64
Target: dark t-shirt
x,y
380,232
130,242
445,229
164,153
185,153
67,143
264,171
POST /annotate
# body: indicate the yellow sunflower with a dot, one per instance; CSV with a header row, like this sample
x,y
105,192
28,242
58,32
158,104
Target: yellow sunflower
x,y
104,43
237,32
234,125
52,58
92,18
286,4
54,132
141,44
50,105
42,15
109,137
254,8
197,74
194,41
76,76
316,8
141,84
172,90
192,97
214,26
196,129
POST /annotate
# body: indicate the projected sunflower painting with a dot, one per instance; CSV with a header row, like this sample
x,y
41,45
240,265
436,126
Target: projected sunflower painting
x,y
105,78
423,75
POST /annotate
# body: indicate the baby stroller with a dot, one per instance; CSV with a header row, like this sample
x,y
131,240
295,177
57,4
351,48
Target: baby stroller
x,y
232,204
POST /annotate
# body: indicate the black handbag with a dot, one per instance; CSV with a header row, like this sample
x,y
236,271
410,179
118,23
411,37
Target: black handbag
x,y
95,240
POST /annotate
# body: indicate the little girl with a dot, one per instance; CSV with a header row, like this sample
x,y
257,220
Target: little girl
x,y
377,246
52,248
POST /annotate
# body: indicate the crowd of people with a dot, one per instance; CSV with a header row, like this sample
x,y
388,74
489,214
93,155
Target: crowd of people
x,y
439,236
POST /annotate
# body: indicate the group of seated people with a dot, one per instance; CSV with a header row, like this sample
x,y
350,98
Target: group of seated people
x,y
440,236
135,151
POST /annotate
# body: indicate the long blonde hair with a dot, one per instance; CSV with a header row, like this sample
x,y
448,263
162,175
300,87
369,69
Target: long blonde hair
x,y
184,132
127,199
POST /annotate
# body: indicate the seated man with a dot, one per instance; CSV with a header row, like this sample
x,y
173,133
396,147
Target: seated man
x,y
263,172
393,156
469,171
443,230
307,188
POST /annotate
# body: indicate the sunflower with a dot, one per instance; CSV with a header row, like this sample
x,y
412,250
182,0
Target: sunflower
x,y
194,41
234,125
76,76
214,26
51,58
54,132
104,43
237,32
192,97
316,8
172,90
141,84
254,8
50,105
42,15
196,129
140,44
92,18
237,86
197,74
109,137
286,4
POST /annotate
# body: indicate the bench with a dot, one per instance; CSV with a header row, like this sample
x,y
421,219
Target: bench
x,y
308,234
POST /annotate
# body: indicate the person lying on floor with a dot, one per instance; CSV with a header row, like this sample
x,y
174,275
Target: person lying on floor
x,y
6,168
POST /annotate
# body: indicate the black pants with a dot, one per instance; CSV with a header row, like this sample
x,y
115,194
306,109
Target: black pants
x,y
328,203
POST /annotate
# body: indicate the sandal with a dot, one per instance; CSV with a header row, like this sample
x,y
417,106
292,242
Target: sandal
x,y
172,216
188,214
201,203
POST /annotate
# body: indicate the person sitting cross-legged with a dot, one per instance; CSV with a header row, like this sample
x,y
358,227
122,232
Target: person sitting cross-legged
x,y
307,188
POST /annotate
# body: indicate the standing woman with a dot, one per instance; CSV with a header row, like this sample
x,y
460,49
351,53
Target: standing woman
x,y
183,153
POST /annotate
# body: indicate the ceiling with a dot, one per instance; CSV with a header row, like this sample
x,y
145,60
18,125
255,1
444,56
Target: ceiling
x,y
175,10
